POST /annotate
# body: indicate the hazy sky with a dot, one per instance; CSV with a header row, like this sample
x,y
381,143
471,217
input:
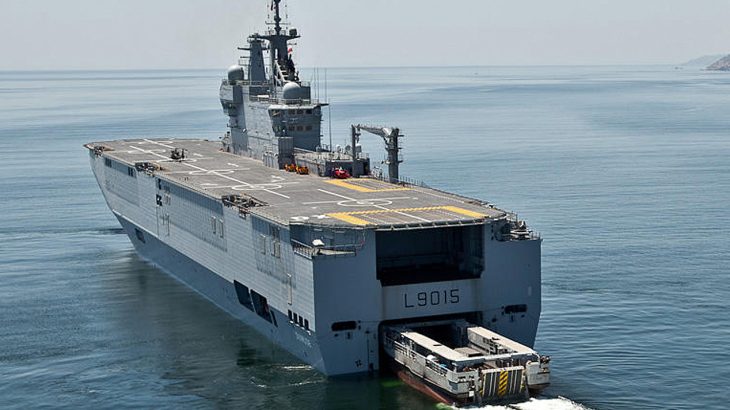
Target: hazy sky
x,y
100,34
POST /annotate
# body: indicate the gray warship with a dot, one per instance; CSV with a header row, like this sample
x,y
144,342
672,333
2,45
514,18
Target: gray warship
x,y
349,269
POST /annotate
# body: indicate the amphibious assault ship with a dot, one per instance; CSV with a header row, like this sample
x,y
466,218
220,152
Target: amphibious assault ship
x,y
346,268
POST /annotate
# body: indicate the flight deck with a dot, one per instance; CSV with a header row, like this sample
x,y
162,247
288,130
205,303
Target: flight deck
x,y
290,198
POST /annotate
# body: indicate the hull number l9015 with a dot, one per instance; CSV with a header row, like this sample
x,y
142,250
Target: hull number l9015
x,y
433,298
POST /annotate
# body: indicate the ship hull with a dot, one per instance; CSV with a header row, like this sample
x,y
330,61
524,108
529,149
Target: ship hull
x,y
221,293
325,309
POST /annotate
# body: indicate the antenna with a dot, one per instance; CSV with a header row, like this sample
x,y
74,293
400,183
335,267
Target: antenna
x,y
277,17
329,107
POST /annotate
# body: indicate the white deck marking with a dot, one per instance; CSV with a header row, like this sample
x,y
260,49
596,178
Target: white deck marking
x,y
338,195
405,214
160,144
441,196
243,183
357,200
378,206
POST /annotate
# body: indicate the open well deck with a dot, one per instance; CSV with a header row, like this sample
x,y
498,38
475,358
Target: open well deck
x,y
290,198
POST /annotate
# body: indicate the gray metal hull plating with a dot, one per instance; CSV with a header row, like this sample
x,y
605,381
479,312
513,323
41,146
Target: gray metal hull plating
x,y
222,293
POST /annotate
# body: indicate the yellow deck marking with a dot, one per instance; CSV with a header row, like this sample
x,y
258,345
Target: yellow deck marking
x,y
349,218
463,211
345,217
349,184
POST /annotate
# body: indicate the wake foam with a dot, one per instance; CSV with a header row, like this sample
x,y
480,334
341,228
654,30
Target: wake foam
x,y
556,403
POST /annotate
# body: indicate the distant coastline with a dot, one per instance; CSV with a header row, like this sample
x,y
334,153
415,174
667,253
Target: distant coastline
x,y
703,61
723,64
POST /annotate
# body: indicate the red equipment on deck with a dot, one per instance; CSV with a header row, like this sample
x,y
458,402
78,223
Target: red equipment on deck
x,y
340,173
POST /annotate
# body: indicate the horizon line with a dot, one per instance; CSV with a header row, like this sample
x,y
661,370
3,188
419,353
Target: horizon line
x,y
130,69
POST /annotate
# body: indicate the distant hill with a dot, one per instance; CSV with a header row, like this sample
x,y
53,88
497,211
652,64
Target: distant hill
x,y
704,61
722,64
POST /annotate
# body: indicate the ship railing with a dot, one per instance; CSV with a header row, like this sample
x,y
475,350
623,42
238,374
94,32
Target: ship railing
x,y
310,252
438,373
518,236
282,101
265,98
438,368
246,82
405,181
531,235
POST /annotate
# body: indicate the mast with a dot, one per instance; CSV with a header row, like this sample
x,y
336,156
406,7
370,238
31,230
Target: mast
x,y
277,17
278,39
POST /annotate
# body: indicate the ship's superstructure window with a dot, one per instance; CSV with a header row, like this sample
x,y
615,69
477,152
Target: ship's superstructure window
x,y
429,255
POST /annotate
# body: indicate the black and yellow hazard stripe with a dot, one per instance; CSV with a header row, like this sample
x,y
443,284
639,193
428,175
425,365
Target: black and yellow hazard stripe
x,y
503,379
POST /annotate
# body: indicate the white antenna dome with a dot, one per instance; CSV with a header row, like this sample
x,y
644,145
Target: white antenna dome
x,y
291,91
236,73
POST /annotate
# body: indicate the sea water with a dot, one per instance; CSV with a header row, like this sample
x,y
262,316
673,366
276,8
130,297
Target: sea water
x,y
624,171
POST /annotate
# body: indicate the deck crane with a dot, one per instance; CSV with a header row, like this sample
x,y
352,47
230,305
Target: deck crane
x,y
392,146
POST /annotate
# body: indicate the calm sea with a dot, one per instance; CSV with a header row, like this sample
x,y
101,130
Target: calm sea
x,y
625,171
